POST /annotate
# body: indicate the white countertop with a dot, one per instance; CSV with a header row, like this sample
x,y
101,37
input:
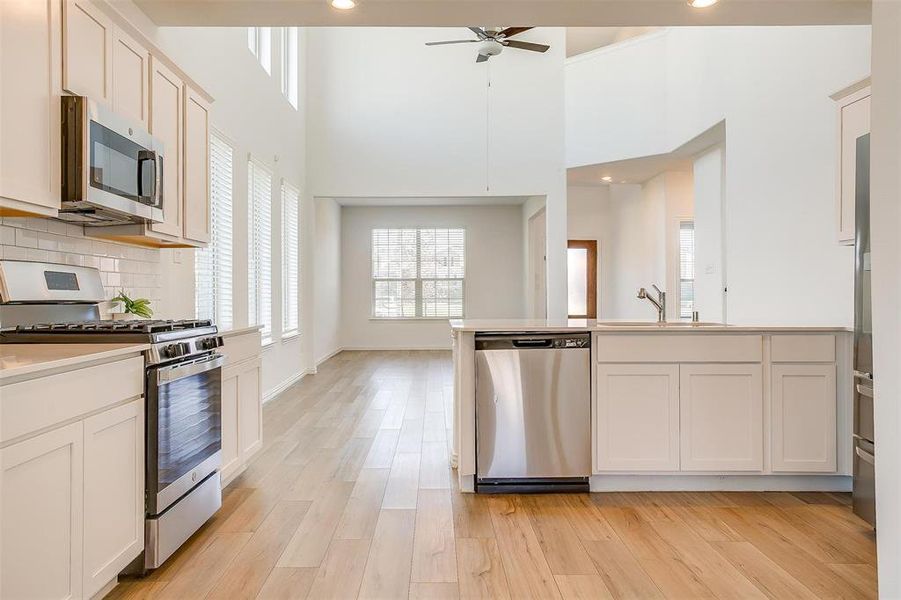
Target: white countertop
x,y
25,359
239,330
581,325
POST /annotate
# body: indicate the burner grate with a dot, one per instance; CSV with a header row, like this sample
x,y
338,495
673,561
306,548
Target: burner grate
x,y
113,327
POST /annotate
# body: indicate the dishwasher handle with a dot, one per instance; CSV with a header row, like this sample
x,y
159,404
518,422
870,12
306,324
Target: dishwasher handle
x,y
545,343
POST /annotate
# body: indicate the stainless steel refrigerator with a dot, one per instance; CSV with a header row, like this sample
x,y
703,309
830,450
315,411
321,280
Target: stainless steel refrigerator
x,y
864,499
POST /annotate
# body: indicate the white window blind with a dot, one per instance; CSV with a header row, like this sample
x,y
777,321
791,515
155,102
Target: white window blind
x,y
418,273
259,251
259,42
686,268
289,64
290,258
213,264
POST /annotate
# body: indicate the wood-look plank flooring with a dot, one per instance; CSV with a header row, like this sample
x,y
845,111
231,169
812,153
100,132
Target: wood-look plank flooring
x,y
352,497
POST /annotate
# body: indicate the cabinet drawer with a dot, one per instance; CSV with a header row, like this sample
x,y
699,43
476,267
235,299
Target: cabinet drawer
x,y
38,403
686,348
803,348
241,347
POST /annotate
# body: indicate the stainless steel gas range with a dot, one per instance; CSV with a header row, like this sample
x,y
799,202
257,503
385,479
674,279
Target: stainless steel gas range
x,y
52,303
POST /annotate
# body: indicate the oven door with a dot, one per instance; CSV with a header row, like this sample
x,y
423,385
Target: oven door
x,y
184,436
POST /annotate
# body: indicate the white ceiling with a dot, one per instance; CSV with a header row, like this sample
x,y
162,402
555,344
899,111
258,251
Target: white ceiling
x,y
584,39
434,201
558,13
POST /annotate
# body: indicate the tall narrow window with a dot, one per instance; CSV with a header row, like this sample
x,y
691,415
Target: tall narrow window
x,y
418,273
213,264
289,64
259,42
259,251
290,258
686,268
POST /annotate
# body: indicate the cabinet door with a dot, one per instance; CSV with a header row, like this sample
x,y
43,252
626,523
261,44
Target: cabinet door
x,y
804,430
231,450
113,493
197,168
131,78
29,107
721,407
87,51
250,409
855,122
41,516
637,417
166,123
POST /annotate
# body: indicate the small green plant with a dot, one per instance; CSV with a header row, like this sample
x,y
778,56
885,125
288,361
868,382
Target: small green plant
x,y
138,306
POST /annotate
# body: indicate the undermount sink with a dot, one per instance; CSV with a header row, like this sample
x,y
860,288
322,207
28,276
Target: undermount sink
x,y
674,324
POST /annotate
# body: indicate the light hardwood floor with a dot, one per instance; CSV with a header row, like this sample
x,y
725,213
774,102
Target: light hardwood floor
x,y
352,497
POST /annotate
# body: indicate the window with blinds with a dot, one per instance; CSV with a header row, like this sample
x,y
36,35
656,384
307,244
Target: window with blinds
x,y
289,64
686,268
290,258
213,264
418,273
259,250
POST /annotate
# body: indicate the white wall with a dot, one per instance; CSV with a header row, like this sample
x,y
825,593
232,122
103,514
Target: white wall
x,y
327,279
250,111
772,86
709,267
394,118
885,219
494,271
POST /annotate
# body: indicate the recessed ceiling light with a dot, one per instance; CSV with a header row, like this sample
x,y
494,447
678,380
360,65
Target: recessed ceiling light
x,y
607,178
701,3
347,4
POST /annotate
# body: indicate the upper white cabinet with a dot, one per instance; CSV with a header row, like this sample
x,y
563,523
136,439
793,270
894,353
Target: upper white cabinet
x,y
721,408
30,73
197,167
41,492
853,107
87,51
804,410
167,124
637,417
131,69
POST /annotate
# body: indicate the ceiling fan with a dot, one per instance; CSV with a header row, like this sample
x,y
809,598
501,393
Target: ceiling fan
x,y
492,41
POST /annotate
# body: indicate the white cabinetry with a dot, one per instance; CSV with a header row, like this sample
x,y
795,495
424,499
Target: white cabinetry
x,y
71,479
41,491
29,107
131,77
113,492
242,402
87,51
804,415
721,408
637,417
197,167
167,123
853,122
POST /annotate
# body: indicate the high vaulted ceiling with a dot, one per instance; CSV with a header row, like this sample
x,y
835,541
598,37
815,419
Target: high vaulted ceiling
x,y
558,13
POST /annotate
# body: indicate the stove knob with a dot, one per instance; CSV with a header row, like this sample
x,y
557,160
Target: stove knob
x,y
210,343
184,348
172,351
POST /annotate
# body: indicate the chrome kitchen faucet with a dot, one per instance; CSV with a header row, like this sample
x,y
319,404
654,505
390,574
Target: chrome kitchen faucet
x,y
659,303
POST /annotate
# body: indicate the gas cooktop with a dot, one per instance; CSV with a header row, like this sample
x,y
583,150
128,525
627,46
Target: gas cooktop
x,y
113,327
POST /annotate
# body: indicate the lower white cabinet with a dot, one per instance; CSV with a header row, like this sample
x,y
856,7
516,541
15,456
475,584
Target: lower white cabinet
x,y
721,408
804,418
242,403
41,494
113,493
637,417
250,393
231,449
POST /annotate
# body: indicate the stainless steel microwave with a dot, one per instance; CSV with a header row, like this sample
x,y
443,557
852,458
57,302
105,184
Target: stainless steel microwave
x,y
112,170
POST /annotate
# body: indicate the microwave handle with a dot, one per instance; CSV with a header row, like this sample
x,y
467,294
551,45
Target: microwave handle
x,y
145,156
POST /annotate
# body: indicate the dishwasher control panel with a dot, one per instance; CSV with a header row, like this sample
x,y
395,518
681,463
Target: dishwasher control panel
x,y
579,342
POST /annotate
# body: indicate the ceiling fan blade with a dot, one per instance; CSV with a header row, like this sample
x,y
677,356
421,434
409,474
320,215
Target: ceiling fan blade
x,y
526,45
509,32
480,33
451,42
481,58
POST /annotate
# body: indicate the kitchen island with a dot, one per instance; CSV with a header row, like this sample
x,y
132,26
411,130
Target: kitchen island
x,y
684,406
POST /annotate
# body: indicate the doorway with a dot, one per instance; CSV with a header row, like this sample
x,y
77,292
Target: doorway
x,y
582,274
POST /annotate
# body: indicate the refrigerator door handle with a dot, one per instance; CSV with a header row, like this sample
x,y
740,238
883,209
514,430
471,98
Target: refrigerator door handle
x,y
863,375
865,456
864,390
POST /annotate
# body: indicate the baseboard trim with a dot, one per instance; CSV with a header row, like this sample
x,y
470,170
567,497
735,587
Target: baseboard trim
x,y
721,483
271,394
331,354
396,349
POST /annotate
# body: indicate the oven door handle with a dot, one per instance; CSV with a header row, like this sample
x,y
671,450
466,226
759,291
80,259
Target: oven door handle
x,y
176,372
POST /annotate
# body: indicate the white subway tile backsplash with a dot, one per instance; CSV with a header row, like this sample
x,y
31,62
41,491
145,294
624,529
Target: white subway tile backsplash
x,y
134,269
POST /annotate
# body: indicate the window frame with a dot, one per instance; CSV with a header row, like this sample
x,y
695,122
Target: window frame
x,y
252,270
297,330
217,300
259,42
290,52
418,298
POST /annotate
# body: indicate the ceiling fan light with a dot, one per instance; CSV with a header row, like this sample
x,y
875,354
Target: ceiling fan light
x,y
343,4
701,3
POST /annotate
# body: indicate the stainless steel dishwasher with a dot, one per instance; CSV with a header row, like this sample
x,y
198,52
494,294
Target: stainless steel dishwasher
x,y
533,412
